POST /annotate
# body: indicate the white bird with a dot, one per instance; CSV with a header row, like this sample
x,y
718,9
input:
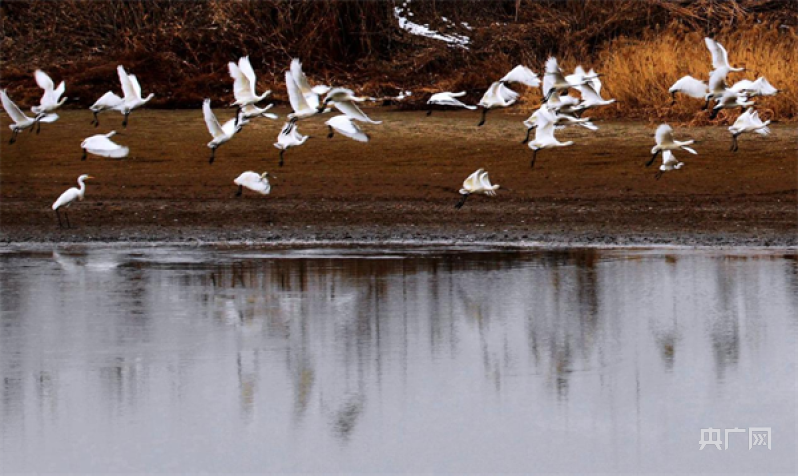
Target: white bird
x,y
665,141
21,121
760,87
730,100
720,58
590,98
244,82
690,86
220,133
312,94
102,145
562,104
447,98
544,134
251,111
669,163
748,121
107,102
561,120
344,125
51,99
67,198
345,101
499,95
132,91
717,85
289,137
253,181
476,183
580,77
555,81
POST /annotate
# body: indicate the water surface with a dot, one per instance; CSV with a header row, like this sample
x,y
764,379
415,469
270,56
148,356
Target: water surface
x,y
153,359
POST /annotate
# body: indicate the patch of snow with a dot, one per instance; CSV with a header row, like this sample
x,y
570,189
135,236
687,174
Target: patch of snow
x,y
423,30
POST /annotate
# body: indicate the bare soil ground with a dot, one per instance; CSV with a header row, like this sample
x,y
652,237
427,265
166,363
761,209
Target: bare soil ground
x,y
402,185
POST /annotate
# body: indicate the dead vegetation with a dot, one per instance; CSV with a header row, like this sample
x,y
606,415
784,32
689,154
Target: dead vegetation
x,y
180,49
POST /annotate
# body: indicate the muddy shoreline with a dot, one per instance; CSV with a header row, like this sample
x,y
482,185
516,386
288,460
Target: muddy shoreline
x,y
401,186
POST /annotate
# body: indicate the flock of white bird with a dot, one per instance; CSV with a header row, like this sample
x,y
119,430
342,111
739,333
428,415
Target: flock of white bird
x,y
558,110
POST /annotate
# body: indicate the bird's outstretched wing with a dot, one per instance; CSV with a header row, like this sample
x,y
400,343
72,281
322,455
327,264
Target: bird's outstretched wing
x,y
12,110
299,76
354,112
134,82
522,74
241,87
210,120
127,86
44,82
664,134
472,182
345,126
105,147
717,79
246,69
690,86
107,100
720,58
588,93
295,96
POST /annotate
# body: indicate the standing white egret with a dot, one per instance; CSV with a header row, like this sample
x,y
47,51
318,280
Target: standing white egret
x,y
21,121
344,125
499,95
244,82
102,145
107,102
665,141
447,98
132,91
720,58
476,183
253,181
289,137
220,133
345,101
67,198
544,135
748,121
51,99
690,86
669,163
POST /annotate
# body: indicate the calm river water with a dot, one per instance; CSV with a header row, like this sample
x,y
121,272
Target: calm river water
x,y
197,360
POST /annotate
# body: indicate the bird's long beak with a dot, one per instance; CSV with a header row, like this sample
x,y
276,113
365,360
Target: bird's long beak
x,y
89,177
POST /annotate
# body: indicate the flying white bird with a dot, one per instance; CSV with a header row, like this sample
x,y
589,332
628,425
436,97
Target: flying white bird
x,y
312,94
244,82
665,141
476,183
21,121
251,111
579,77
730,100
253,181
220,133
555,81
51,99
107,102
289,137
102,145
344,125
132,91
717,85
760,87
669,163
345,101
448,99
748,121
544,134
690,86
590,98
499,95
67,198
562,104
561,120
720,58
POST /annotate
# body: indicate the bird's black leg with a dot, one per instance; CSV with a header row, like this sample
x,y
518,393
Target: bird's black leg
x,y
240,190
282,151
213,155
84,155
289,125
706,104
462,201
124,123
534,157
238,113
528,132
66,215
548,94
673,96
332,132
735,145
96,121
714,114
13,136
648,164
484,113
58,214
429,113
38,126
658,175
